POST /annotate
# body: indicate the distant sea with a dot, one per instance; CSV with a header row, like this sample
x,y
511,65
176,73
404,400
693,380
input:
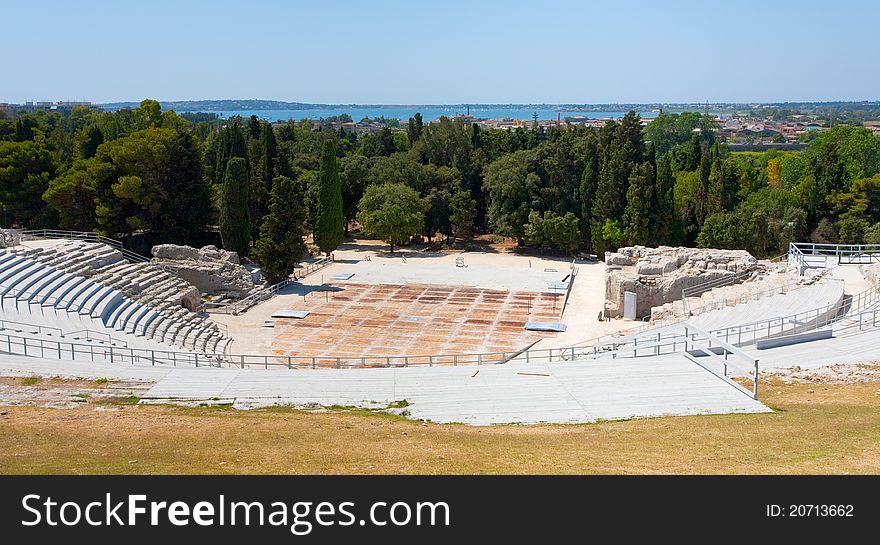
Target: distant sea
x,y
403,113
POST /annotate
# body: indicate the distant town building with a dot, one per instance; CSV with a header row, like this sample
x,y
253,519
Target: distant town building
x,y
43,106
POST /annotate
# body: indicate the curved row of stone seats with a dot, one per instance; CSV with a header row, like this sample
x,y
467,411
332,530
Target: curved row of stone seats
x,y
826,296
132,298
787,313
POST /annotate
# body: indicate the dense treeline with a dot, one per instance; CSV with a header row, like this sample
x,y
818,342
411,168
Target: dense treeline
x,y
567,188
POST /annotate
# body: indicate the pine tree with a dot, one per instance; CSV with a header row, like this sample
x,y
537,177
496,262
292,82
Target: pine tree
x,y
235,220
329,230
281,245
664,191
639,196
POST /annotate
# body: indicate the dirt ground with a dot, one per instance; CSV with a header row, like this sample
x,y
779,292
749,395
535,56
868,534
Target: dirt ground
x,y
355,320
816,427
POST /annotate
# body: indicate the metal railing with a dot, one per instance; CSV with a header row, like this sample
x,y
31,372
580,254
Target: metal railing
x,y
91,334
34,234
38,329
799,254
26,346
572,275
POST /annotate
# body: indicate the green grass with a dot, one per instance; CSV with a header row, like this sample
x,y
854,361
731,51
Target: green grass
x,y
815,429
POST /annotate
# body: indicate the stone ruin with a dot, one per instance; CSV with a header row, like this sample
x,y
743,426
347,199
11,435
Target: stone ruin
x,y
871,273
658,275
215,272
10,238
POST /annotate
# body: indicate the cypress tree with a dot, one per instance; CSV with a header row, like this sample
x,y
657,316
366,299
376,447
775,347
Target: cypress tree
x,y
414,129
723,185
270,153
329,228
630,132
695,152
587,189
610,199
639,197
664,191
235,217
281,245
231,144
703,193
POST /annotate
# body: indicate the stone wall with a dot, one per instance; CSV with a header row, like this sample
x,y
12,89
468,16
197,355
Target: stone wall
x,y
213,271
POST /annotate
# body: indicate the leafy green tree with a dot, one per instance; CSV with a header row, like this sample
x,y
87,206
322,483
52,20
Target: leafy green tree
x,y
563,231
354,174
851,230
552,230
669,130
281,244
463,213
612,233
855,148
235,217
329,228
872,234
437,216
507,182
393,212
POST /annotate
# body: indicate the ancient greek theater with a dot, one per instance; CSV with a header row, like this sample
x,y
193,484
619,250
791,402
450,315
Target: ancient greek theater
x,y
476,338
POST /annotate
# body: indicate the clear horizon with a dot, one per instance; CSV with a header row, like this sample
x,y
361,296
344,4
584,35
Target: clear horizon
x,y
392,52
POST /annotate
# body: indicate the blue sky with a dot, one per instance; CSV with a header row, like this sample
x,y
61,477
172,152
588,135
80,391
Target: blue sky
x,y
418,52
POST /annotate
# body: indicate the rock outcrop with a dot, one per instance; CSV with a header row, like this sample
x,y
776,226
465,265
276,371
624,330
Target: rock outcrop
x,y
871,273
658,275
213,271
